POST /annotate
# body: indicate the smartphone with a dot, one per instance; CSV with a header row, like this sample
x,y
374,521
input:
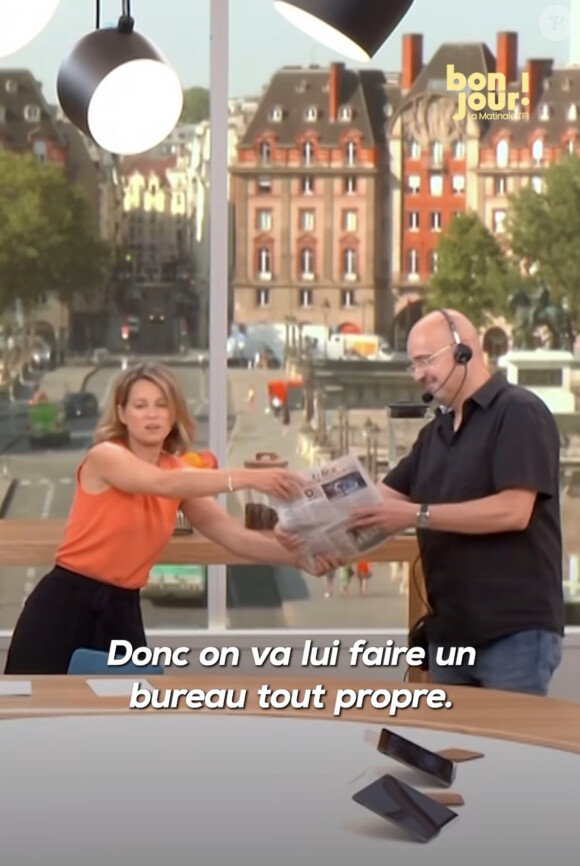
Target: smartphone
x,y
397,802
394,746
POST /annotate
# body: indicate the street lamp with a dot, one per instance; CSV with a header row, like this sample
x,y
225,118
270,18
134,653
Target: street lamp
x,y
343,430
325,312
375,440
308,383
367,433
321,428
291,323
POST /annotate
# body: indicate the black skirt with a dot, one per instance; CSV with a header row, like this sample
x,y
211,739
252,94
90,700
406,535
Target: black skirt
x,y
68,611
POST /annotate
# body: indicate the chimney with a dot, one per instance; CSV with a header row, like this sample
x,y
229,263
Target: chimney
x,y
507,56
412,59
538,71
336,70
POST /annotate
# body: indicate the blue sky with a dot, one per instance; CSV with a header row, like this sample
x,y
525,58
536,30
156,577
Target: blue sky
x,y
261,41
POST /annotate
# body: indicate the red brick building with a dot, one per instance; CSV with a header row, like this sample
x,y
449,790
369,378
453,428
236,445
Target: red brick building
x,y
310,198
442,164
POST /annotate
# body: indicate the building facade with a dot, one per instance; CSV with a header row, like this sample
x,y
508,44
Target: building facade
x,y
447,159
310,196
29,125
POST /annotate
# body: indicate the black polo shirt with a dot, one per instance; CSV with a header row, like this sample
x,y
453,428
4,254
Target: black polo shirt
x,y
483,587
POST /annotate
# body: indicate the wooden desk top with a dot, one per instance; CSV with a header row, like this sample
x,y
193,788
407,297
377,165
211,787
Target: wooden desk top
x,y
478,712
34,542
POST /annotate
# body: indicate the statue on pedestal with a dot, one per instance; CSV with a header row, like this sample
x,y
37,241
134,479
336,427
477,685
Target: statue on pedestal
x,y
537,310
520,305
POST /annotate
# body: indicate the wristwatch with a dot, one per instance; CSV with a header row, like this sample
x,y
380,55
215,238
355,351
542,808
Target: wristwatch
x,y
423,517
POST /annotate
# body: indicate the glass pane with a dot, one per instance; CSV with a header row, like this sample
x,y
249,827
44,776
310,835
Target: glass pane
x,y
334,142
151,304
316,302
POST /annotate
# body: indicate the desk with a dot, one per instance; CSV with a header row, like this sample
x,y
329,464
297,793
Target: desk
x,y
34,542
477,712
213,790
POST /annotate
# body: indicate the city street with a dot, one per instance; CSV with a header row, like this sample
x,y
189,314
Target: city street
x,y
303,601
260,597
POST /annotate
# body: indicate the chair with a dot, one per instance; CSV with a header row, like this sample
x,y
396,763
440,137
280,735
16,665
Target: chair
x,y
88,661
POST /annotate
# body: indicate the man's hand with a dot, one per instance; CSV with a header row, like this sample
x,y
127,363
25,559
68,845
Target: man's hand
x,y
393,515
320,564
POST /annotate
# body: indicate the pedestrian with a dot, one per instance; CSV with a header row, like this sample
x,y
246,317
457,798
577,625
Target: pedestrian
x,y
129,487
363,573
481,485
285,419
345,575
329,578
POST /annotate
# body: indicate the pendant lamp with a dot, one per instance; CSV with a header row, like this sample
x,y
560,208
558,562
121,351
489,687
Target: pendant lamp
x,y
354,28
21,21
117,88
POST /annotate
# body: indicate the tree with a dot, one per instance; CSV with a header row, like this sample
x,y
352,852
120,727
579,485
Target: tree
x,y
473,275
48,241
544,229
195,105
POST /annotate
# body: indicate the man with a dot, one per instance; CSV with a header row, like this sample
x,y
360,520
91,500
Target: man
x,y
481,485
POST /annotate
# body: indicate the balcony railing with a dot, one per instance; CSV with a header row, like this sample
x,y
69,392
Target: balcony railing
x,y
34,543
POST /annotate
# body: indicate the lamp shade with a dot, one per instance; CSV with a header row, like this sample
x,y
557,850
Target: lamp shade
x,y
117,88
354,28
21,21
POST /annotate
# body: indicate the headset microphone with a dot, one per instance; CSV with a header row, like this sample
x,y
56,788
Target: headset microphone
x,y
429,396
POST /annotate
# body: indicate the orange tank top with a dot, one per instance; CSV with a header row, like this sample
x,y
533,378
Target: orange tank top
x,y
117,537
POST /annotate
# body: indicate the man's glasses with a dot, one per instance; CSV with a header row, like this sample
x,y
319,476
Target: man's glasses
x,y
426,360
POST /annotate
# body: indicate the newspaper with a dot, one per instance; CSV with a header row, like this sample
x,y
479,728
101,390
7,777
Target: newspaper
x,y
323,516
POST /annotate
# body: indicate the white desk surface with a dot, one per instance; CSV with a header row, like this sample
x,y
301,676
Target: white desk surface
x,y
214,790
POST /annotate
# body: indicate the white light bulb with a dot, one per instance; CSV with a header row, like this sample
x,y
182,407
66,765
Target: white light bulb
x,y
21,21
135,107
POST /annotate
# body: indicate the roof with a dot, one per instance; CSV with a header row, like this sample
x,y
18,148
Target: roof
x,y
561,89
466,57
19,89
296,89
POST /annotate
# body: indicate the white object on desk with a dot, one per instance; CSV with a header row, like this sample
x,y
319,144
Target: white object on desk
x,y
15,688
115,687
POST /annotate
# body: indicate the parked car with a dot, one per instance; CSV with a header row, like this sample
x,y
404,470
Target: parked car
x,y
81,404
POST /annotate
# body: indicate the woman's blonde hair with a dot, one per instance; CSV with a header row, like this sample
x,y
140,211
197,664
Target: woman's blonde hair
x,y
183,428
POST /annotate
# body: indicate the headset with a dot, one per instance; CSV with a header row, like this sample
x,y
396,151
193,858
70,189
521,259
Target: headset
x,y
462,352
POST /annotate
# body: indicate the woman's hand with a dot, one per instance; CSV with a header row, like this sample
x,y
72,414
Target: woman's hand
x,y
279,483
291,541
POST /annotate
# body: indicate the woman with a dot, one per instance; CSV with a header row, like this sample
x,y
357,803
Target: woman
x,y
129,487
